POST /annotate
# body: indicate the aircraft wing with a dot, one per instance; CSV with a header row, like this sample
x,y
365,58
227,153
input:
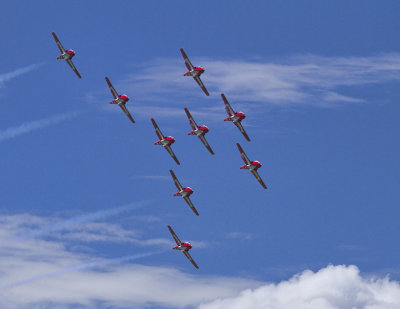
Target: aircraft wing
x,y
193,123
169,149
190,259
158,131
113,91
240,127
242,154
203,139
198,80
123,107
58,43
69,61
228,107
177,183
189,65
259,179
178,242
187,199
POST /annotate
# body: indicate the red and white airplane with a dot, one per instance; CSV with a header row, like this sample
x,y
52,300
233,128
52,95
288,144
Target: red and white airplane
x,y
252,166
182,246
119,99
184,192
165,141
67,55
195,72
199,131
235,117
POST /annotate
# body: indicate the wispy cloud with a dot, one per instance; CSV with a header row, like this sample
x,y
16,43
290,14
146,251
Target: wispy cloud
x,y
105,232
13,74
239,235
151,177
64,224
30,126
85,266
301,80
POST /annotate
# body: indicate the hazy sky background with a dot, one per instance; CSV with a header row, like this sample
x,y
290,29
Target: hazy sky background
x,y
86,196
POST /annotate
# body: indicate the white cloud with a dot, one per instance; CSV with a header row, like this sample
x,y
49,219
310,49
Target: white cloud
x,y
37,273
333,287
13,74
311,80
30,126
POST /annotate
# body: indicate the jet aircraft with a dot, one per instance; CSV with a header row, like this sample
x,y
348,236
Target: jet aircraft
x,y
235,117
165,141
199,131
182,246
195,72
184,192
119,99
252,166
67,55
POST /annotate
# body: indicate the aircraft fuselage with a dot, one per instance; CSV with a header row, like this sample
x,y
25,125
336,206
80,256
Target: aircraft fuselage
x,y
69,54
237,117
196,72
122,99
185,246
199,131
167,141
185,192
253,166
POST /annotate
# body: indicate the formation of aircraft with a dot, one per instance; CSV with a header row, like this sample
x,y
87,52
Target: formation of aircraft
x,y
119,99
182,246
165,141
67,55
252,166
184,192
235,117
199,131
195,72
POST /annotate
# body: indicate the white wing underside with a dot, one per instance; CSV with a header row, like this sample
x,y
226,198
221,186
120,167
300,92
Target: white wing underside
x,y
190,258
187,199
169,149
69,61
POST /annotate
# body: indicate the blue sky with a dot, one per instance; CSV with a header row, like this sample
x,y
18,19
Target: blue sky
x,y
318,81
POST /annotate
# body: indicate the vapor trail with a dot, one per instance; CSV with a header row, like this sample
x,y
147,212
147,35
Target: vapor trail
x,y
10,75
35,125
62,225
79,267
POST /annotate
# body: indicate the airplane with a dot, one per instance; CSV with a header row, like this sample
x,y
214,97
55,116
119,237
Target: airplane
x,y
252,166
182,246
119,99
184,192
67,55
235,117
195,72
165,141
199,131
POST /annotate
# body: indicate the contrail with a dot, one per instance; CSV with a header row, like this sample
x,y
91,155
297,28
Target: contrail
x,y
62,225
10,75
79,267
35,125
